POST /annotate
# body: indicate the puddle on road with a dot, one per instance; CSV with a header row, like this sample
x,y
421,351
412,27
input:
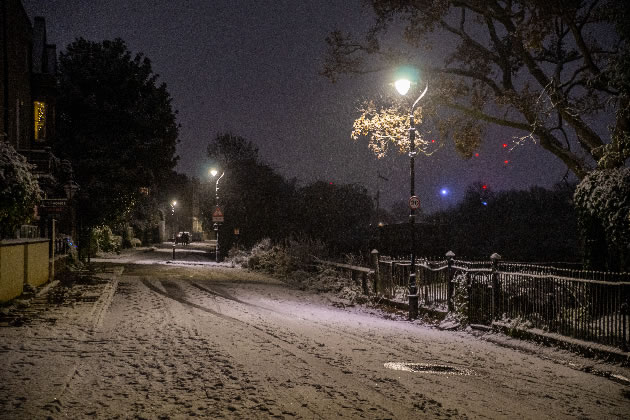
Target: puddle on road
x,y
428,368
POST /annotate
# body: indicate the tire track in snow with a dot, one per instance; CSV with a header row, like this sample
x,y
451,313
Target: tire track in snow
x,y
332,360
404,352
285,345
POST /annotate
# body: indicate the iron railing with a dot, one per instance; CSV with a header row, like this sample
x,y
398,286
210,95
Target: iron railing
x,y
587,305
62,245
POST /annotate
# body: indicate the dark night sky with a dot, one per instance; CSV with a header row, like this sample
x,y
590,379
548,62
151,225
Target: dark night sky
x,y
251,67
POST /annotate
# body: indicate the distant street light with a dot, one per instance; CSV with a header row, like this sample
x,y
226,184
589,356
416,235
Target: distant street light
x,y
214,173
403,86
173,204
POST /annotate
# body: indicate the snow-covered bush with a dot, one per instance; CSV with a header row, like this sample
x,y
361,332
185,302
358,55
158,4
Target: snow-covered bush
x,y
269,258
602,200
295,262
103,240
284,259
460,299
19,190
238,256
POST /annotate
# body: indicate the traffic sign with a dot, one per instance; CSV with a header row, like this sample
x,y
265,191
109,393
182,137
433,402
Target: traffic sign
x,y
217,216
414,202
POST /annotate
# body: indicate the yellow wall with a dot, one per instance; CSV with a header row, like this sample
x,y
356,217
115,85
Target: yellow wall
x,y
22,261
36,257
11,271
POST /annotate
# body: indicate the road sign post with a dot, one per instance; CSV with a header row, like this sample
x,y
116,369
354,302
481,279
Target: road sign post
x,y
217,216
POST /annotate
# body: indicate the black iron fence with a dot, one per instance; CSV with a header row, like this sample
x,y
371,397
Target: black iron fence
x,y
393,274
594,310
62,245
587,305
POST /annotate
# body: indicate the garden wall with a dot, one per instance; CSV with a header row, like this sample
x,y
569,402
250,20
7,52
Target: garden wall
x,y
22,261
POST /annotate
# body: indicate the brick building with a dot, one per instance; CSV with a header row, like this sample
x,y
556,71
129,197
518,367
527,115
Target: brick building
x,y
28,91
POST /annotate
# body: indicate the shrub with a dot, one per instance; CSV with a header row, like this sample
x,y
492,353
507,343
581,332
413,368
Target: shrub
x,y
460,299
103,240
19,190
280,259
238,256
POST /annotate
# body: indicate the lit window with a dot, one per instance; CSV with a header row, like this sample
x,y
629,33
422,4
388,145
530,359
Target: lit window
x,y
40,120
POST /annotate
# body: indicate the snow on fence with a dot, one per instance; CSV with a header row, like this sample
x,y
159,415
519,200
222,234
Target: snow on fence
x,y
588,305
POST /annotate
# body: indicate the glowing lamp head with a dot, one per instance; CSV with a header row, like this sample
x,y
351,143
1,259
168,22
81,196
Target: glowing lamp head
x,y
213,172
444,192
402,86
174,203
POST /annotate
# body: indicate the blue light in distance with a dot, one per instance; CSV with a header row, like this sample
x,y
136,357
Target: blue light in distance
x,y
444,192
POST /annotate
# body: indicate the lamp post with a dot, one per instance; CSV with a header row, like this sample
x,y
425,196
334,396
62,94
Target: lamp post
x,y
173,204
214,173
403,86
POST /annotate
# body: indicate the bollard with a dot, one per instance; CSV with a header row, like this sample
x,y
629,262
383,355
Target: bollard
x,y
173,251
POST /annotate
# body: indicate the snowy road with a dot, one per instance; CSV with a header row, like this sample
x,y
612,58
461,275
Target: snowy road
x,y
182,341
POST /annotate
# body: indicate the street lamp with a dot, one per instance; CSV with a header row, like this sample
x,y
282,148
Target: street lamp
x,y
214,173
403,86
173,204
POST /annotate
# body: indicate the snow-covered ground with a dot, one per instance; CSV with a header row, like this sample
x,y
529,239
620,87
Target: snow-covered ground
x,y
190,338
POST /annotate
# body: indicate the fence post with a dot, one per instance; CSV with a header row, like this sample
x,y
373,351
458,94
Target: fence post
x,y
364,284
469,295
390,279
495,285
377,276
53,251
625,311
449,257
